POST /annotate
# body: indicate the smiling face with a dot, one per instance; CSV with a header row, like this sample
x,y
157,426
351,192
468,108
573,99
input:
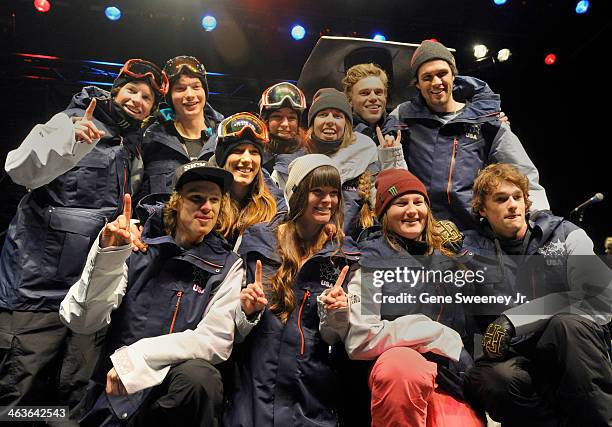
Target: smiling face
x,y
136,98
188,97
368,99
328,124
505,209
435,82
198,210
407,215
244,163
283,123
321,206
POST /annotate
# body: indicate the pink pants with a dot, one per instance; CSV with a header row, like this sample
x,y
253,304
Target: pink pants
x,y
404,394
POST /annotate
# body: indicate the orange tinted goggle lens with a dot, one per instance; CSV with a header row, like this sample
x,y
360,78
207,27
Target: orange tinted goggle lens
x,y
141,69
235,126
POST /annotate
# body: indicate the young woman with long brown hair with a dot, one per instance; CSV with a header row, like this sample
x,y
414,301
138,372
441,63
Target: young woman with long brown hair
x,y
294,306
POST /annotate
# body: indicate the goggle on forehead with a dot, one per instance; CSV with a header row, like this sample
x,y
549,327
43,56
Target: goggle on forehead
x,y
237,125
283,94
176,65
140,69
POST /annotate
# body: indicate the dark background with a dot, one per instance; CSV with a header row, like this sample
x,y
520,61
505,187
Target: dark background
x,y
555,110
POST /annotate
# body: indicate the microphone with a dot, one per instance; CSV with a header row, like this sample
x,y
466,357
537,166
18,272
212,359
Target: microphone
x,y
595,199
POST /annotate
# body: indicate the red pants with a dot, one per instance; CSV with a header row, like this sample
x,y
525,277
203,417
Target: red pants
x,y
404,394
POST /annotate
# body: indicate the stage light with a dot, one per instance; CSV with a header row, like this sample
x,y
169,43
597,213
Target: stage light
x,y
550,59
379,37
499,2
42,5
503,55
582,6
298,32
480,51
113,13
209,22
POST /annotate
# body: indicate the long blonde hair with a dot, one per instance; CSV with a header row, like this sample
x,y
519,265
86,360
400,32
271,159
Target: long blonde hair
x,y
292,248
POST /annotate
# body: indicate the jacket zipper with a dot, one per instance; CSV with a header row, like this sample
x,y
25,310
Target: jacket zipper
x,y
306,295
179,295
450,173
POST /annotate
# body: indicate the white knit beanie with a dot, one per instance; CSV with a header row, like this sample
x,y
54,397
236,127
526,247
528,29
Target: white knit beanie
x,y
302,166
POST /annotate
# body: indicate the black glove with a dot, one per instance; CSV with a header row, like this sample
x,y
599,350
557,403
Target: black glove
x,y
452,238
496,340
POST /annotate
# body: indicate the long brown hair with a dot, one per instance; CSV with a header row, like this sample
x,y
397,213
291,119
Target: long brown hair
x,y
261,207
348,138
292,248
430,235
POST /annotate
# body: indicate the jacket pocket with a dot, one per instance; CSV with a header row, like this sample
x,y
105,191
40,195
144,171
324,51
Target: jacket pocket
x,y
92,177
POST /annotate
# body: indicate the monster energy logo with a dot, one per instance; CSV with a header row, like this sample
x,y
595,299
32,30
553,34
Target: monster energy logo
x,y
392,191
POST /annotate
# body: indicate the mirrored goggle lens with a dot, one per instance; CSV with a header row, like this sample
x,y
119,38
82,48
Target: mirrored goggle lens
x,y
176,65
140,69
236,125
277,94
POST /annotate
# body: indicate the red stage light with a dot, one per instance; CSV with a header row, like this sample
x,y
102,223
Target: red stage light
x,y
550,59
42,5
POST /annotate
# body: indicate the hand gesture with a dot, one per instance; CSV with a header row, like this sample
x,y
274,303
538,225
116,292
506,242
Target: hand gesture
x,y
387,141
114,386
502,116
252,298
137,243
84,128
336,298
117,233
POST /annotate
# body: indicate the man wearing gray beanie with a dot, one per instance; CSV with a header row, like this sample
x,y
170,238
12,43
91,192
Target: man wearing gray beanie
x,y
454,131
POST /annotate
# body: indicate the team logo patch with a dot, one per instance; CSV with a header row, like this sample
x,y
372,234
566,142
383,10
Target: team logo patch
x,y
472,131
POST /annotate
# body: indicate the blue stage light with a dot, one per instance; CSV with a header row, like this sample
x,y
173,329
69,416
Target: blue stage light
x,y
113,13
379,37
298,32
582,6
209,22
499,2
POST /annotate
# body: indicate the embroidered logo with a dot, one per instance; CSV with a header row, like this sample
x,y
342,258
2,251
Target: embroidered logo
x,y
393,191
199,280
472,131
329,274
553,249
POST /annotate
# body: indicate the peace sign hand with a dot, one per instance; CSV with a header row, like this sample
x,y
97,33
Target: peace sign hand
x,y
388,141
84,128
117,233
336,298
252,298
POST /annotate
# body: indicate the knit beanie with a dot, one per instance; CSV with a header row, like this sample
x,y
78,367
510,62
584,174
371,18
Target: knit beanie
x,y
428,51
302,166
225,146
392,183
329,98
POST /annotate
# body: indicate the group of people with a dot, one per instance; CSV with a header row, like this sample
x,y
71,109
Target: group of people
x,y
172,266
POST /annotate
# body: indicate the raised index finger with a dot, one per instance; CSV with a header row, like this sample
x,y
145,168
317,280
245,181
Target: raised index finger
x,y
90,109
127,206
258,273
381,138
341,277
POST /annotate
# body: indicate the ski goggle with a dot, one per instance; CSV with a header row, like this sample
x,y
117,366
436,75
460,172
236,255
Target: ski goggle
x,y
283,95
141,69
240,124
175,66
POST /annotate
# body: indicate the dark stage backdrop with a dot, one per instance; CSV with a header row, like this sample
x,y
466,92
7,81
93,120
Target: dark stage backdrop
x,y
560,112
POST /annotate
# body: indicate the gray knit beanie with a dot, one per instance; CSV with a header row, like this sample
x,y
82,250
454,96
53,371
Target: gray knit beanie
x,y
428,51
329,98
302,166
